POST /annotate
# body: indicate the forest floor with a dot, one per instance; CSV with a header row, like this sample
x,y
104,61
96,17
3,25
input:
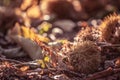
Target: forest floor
x,y
36,46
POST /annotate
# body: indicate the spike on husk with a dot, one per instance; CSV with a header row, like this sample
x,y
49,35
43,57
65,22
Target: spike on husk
x,y
89,33
84,35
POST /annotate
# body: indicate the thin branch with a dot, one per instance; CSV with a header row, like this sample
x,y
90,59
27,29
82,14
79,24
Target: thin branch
x,y
104,73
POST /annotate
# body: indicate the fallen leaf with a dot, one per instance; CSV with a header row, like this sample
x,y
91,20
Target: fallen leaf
x,y
24,68
32,48
41,62
117,62
46,59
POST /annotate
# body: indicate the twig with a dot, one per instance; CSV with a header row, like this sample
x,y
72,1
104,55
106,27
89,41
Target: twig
x,y
44,71
105,44
71,72
104,73
10,60
51,70
116,70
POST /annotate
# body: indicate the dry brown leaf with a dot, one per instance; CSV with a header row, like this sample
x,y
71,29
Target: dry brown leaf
x,y
34,12
24,68
117,62
25,4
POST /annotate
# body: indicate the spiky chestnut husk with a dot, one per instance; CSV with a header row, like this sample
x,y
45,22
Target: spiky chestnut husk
x,y
84,35
110,29
89,33
85,57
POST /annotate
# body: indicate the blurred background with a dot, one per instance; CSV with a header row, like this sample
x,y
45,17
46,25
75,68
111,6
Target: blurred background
x,y
56,19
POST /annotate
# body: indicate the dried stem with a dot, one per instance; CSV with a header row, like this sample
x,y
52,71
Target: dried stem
x,y
104,73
